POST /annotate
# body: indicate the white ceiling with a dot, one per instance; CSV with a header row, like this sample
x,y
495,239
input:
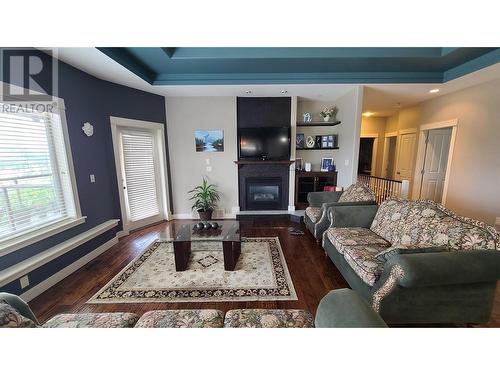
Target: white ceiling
x,y
380,99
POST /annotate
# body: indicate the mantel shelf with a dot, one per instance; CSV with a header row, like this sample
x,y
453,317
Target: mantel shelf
x,y
316,148
287,162
318,123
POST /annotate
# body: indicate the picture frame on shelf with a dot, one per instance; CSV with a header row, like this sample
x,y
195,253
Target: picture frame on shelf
x,y
317,142
327,165
300,140
324,141
298,164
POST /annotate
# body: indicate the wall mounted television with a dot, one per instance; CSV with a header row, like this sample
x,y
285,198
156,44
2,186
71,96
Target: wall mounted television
x,y
265,143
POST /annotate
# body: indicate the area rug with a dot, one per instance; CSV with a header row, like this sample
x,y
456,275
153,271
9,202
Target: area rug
x,y
261,274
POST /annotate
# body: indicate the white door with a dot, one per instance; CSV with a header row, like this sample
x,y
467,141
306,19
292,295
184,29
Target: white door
x,y
435,162
406,156
140,175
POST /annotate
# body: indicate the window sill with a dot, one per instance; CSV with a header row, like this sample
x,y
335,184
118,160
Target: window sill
x,y
39,234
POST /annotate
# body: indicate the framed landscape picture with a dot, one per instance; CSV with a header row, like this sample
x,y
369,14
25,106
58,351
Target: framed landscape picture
x,y
209,140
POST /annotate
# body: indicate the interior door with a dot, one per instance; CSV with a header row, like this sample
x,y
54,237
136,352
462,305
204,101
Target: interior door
x,y
406,156
435,163
140,177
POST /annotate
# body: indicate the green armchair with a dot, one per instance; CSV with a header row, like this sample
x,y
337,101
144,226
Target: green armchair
x,y
316,218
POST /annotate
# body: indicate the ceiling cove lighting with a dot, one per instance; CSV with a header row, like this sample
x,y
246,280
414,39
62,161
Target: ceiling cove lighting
x,y
433,91
368,114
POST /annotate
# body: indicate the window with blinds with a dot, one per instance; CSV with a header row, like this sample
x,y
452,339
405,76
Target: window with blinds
x,y
140,178
35,183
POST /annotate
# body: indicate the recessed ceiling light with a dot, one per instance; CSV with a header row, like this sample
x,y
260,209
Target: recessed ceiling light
x,y
284,91
248,91
433,91
367,114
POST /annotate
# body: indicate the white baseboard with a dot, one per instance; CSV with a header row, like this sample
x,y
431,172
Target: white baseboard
x,y
122,233
189,216
66,271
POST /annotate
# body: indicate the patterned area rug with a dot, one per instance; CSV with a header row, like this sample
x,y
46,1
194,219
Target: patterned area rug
x,y
260,275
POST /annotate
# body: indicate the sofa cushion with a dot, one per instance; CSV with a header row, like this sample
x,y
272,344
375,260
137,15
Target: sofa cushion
x,y
260,318
206,318
358,192
93,320
10,317
345,237
385,254
363,261
313,213
389,220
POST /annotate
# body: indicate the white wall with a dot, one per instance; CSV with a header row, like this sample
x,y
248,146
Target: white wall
x,y
475,170
184,116
350,107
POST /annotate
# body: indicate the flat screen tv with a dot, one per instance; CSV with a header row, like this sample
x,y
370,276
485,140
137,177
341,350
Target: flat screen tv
x,y
264,143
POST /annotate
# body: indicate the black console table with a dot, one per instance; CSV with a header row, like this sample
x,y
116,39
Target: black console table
x,y
307,182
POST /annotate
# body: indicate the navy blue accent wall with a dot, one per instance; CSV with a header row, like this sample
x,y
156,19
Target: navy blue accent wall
x,y
89,99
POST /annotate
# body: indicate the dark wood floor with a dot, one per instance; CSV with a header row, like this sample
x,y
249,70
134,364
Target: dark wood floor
x,y
312,272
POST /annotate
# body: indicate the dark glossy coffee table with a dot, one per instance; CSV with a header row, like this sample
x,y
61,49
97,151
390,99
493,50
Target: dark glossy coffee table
x,y
228,233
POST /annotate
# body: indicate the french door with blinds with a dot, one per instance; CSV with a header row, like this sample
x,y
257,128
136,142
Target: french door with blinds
x,y
140,175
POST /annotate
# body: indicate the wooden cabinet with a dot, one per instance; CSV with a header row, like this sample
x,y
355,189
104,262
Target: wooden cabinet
x,y
307,182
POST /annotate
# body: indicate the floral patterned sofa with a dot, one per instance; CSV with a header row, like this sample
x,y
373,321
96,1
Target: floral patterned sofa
x,y
15,313
316,218
416,261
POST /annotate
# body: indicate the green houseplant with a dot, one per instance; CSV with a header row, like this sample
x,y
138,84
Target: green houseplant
x,y
205,197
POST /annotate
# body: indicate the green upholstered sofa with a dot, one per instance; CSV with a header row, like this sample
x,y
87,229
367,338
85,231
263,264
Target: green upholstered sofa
x,y
316,218
416,261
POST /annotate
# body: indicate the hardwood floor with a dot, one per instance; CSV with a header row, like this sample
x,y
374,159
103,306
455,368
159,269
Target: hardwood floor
x,y
312,272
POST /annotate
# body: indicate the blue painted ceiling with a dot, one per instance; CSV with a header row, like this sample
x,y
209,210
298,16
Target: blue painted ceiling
x,y
199,66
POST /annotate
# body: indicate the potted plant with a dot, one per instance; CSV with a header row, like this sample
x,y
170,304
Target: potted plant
x,y
326,113
205,197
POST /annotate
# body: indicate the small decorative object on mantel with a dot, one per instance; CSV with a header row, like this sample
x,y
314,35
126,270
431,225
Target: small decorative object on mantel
x,y
329,113
307,117
310,141
205,197
88,129
308,167
327,165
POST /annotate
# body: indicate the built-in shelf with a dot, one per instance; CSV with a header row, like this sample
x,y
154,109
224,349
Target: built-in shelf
x,y
318,123
288,162
317,148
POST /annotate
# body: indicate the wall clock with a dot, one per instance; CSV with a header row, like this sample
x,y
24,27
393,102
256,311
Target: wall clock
x,y
310,142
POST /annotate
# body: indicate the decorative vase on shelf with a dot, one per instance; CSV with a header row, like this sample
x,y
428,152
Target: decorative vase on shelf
x,y
326,118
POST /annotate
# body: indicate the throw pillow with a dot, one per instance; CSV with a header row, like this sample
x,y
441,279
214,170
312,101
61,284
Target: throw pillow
x,y
10,317
384,255
358,192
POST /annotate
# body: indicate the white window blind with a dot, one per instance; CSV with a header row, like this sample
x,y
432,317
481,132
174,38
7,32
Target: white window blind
x,y
35,183
139,167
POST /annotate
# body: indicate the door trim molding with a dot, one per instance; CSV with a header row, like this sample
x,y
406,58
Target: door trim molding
x,y
453,124
140,124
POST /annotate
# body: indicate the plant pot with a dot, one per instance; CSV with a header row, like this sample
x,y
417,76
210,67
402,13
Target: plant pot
x,y
205,215
326,118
